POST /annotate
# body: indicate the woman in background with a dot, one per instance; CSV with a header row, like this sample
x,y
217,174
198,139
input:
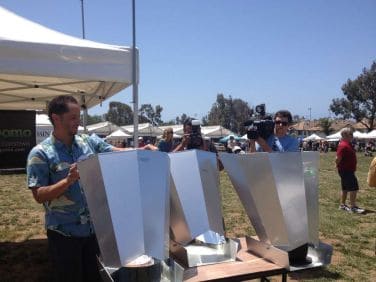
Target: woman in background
x,y
166,143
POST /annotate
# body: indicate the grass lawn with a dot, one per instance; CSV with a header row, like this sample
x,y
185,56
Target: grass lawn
x,y
23,245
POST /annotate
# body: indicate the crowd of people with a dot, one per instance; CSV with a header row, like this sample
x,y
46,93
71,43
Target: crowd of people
x,y
52,176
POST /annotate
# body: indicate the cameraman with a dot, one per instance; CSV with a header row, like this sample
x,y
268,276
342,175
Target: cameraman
x,y
279,141
192,139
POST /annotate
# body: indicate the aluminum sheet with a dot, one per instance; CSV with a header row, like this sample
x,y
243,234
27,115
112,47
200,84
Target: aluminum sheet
x,y
253,180
288,174
127,194
311,164
195,196
272,189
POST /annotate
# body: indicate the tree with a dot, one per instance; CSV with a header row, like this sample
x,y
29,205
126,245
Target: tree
x,y
92,119
169,122
119,114
230,113
150,114
360,98
204,121
325,124
181,119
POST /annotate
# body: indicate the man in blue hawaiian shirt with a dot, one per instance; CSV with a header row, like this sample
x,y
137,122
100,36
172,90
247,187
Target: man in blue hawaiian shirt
x,y
52,176
280,141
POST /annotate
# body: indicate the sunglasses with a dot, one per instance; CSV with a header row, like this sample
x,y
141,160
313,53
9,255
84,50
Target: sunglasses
x,y
283,123
170,132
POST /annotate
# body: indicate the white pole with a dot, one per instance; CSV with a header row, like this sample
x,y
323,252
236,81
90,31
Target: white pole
x,y
84,107
134,77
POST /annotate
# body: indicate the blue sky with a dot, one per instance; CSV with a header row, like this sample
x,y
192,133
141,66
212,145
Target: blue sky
x,y
288,54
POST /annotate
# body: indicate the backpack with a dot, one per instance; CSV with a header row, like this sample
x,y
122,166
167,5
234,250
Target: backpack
x,y
371,179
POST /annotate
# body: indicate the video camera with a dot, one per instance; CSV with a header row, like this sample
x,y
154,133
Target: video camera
x,y
259,125
195,137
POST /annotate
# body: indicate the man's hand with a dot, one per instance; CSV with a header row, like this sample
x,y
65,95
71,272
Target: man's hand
x,y
185,140
265,147
183,144
73,174
48,193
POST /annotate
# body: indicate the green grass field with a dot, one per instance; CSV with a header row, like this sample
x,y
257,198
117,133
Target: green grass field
x,y
23,245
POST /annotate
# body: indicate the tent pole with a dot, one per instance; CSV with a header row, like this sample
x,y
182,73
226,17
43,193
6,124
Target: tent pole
x,y
84,112
134,77
83,19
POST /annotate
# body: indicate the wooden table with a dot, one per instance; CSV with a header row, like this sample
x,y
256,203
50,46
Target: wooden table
x,y
247,266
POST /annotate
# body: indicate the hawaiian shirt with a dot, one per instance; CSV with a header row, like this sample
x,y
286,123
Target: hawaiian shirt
x,y
47,164
286,143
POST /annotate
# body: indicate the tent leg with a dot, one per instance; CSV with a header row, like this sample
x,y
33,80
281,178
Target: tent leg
x,y
84,113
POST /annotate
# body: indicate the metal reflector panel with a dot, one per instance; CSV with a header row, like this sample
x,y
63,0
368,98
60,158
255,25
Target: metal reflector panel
x,y
127,194
288,177
311,164
272,190
253,180
195,197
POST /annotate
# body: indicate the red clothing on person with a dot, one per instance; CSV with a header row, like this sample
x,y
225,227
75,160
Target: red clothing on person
x,y
348,157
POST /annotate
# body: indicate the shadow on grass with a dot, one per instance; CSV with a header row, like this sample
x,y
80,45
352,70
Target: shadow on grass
x,y
368,211
315,273
25,261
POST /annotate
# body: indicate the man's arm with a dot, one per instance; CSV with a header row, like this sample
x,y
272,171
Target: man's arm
x,y
262,143
338,159
48,193
184,142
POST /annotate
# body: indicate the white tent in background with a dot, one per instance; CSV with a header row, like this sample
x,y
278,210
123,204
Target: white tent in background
x,y
102,128
118,135
371,134
360,135
144,129
334,137
212,131
37,64
313,137
177,128
215,131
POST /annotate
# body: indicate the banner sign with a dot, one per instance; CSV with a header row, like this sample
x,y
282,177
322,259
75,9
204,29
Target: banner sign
x,y
17,138
42,132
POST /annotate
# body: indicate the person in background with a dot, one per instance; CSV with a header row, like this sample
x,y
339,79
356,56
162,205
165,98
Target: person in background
x,y
231,143
188,141
141,142
346,166
52,176
280,141
166,143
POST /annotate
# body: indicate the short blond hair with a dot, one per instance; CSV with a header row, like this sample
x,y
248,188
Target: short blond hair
x,y
347,131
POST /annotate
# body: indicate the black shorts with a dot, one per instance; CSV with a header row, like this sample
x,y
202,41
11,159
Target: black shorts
x,y
348,181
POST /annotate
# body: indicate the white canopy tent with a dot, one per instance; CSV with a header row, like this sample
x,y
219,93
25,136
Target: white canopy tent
x,y
144,129
371,134
102,128
215,131
313,137
212,131
360,135
334,137
37,64
118,135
